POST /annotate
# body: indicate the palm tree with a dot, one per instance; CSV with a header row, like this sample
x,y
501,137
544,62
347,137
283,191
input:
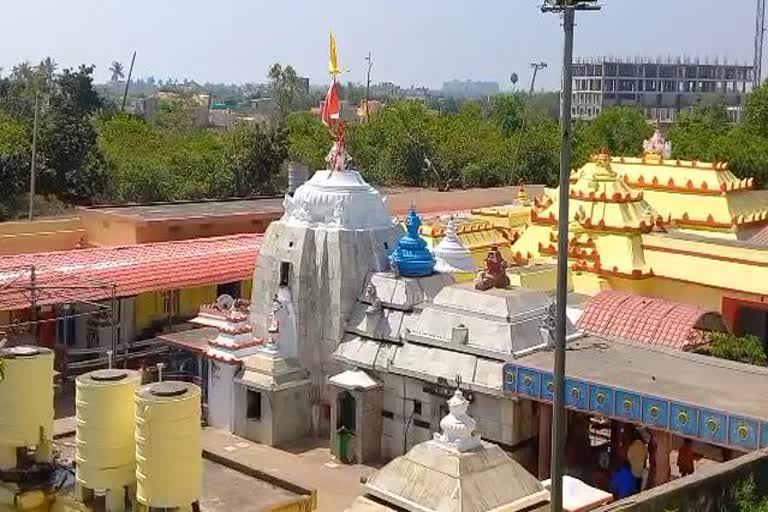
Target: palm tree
x,y
117,71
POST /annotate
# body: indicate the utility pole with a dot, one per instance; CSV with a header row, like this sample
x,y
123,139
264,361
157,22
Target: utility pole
x,y
759,36
536,67
568,10
368,85
32,169
128,81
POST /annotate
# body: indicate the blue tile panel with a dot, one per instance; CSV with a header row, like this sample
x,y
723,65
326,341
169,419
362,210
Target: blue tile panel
x,y
601,399
656,412
629,406
742,432
547,387
528,382
710,426
684,419
713,426
576,394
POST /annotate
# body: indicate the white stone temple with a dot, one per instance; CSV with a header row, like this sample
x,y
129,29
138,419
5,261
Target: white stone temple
x,y
335,230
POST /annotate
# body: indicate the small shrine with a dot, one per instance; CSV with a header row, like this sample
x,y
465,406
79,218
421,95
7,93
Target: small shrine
x,y
234,339
451,256
411,258
483,477
657,146
494,275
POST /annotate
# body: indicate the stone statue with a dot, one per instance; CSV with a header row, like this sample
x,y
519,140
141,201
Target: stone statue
x,y
372,298
337,158
295,210
458,427
273,330
495,273
338,213
657,145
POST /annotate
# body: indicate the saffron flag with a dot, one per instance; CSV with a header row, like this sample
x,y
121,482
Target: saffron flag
x,y
329,112
333,66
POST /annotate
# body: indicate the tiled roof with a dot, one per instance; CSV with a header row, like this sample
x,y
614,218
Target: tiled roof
x,y
760,237
644,320
133,269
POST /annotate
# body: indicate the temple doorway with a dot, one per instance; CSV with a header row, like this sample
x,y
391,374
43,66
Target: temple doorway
x,y
346,412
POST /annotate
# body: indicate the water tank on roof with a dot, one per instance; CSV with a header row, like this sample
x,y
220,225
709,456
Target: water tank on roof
x,y
26,403
297,175
105,444
169,467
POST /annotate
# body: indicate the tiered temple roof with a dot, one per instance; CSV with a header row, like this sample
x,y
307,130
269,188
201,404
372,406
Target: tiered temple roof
x,y
693,194
606,221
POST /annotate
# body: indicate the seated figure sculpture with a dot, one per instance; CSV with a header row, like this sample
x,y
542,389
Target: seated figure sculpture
x,y
494,275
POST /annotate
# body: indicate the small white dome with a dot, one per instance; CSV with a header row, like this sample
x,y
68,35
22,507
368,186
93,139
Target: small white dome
x,y
450,254
340,199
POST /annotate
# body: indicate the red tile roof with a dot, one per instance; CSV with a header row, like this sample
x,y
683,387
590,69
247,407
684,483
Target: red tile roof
x,y
647,320
133,269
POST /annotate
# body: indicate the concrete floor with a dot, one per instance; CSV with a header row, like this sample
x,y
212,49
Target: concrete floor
x,y
307,464
227,490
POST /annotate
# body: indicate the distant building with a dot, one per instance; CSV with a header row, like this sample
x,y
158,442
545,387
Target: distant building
x,y
198,105
470,89
661,89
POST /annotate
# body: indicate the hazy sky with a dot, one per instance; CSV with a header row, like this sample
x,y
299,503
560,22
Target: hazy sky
x,y
422,42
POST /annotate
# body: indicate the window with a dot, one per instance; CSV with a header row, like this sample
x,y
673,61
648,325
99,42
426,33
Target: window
x,y
417,407
387,414
170,302
254,405
285,273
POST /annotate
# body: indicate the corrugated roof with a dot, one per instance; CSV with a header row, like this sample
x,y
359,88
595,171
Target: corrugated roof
x,y
131,269
646,320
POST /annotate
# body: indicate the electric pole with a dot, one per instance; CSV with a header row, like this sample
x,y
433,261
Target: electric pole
x,y
128,82
759,36
368,85
568,10
536,67
32,167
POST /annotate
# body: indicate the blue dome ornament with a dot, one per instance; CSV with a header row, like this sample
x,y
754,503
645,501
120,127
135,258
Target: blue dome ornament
x,y
411,258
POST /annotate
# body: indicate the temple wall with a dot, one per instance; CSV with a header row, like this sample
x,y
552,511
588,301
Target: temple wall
x,y
328,267
499,419
710,489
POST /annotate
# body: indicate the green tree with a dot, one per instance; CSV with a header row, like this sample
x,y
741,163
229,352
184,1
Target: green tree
x,y
697,132
70,168
746,349
308,139
756,111
619,129
286,88
507,112
254,157
748,499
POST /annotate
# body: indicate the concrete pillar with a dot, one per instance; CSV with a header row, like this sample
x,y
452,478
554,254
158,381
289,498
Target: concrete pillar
x,y
545,439
659,471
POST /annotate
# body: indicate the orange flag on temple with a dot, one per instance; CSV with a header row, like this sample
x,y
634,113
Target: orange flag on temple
x,y
329,111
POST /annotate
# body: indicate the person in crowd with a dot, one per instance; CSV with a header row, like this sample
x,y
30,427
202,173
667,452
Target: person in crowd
x,y
686,458
637,456
623,482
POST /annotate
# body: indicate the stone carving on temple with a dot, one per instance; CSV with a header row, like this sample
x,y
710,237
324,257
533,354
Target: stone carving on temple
x,y
494,275
657,145
458,427
372,298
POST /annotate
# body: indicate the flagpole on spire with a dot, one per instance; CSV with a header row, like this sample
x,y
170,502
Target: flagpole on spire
x,y
330,112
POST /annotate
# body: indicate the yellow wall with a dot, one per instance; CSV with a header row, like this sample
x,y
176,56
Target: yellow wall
x,y
246,288
190,299
46,235
147,308
108,230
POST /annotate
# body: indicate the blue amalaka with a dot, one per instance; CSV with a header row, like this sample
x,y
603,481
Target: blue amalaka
x,y
411,258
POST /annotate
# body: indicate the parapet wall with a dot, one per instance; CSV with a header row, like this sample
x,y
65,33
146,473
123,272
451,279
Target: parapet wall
x,y
710,489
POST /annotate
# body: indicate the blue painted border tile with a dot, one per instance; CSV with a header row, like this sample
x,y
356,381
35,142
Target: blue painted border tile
x,y
601,399
528,382
713,426
629,406
576,394
684,419
742,432
656,412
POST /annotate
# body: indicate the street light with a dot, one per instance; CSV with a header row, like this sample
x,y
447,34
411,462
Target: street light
x,y
568,9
